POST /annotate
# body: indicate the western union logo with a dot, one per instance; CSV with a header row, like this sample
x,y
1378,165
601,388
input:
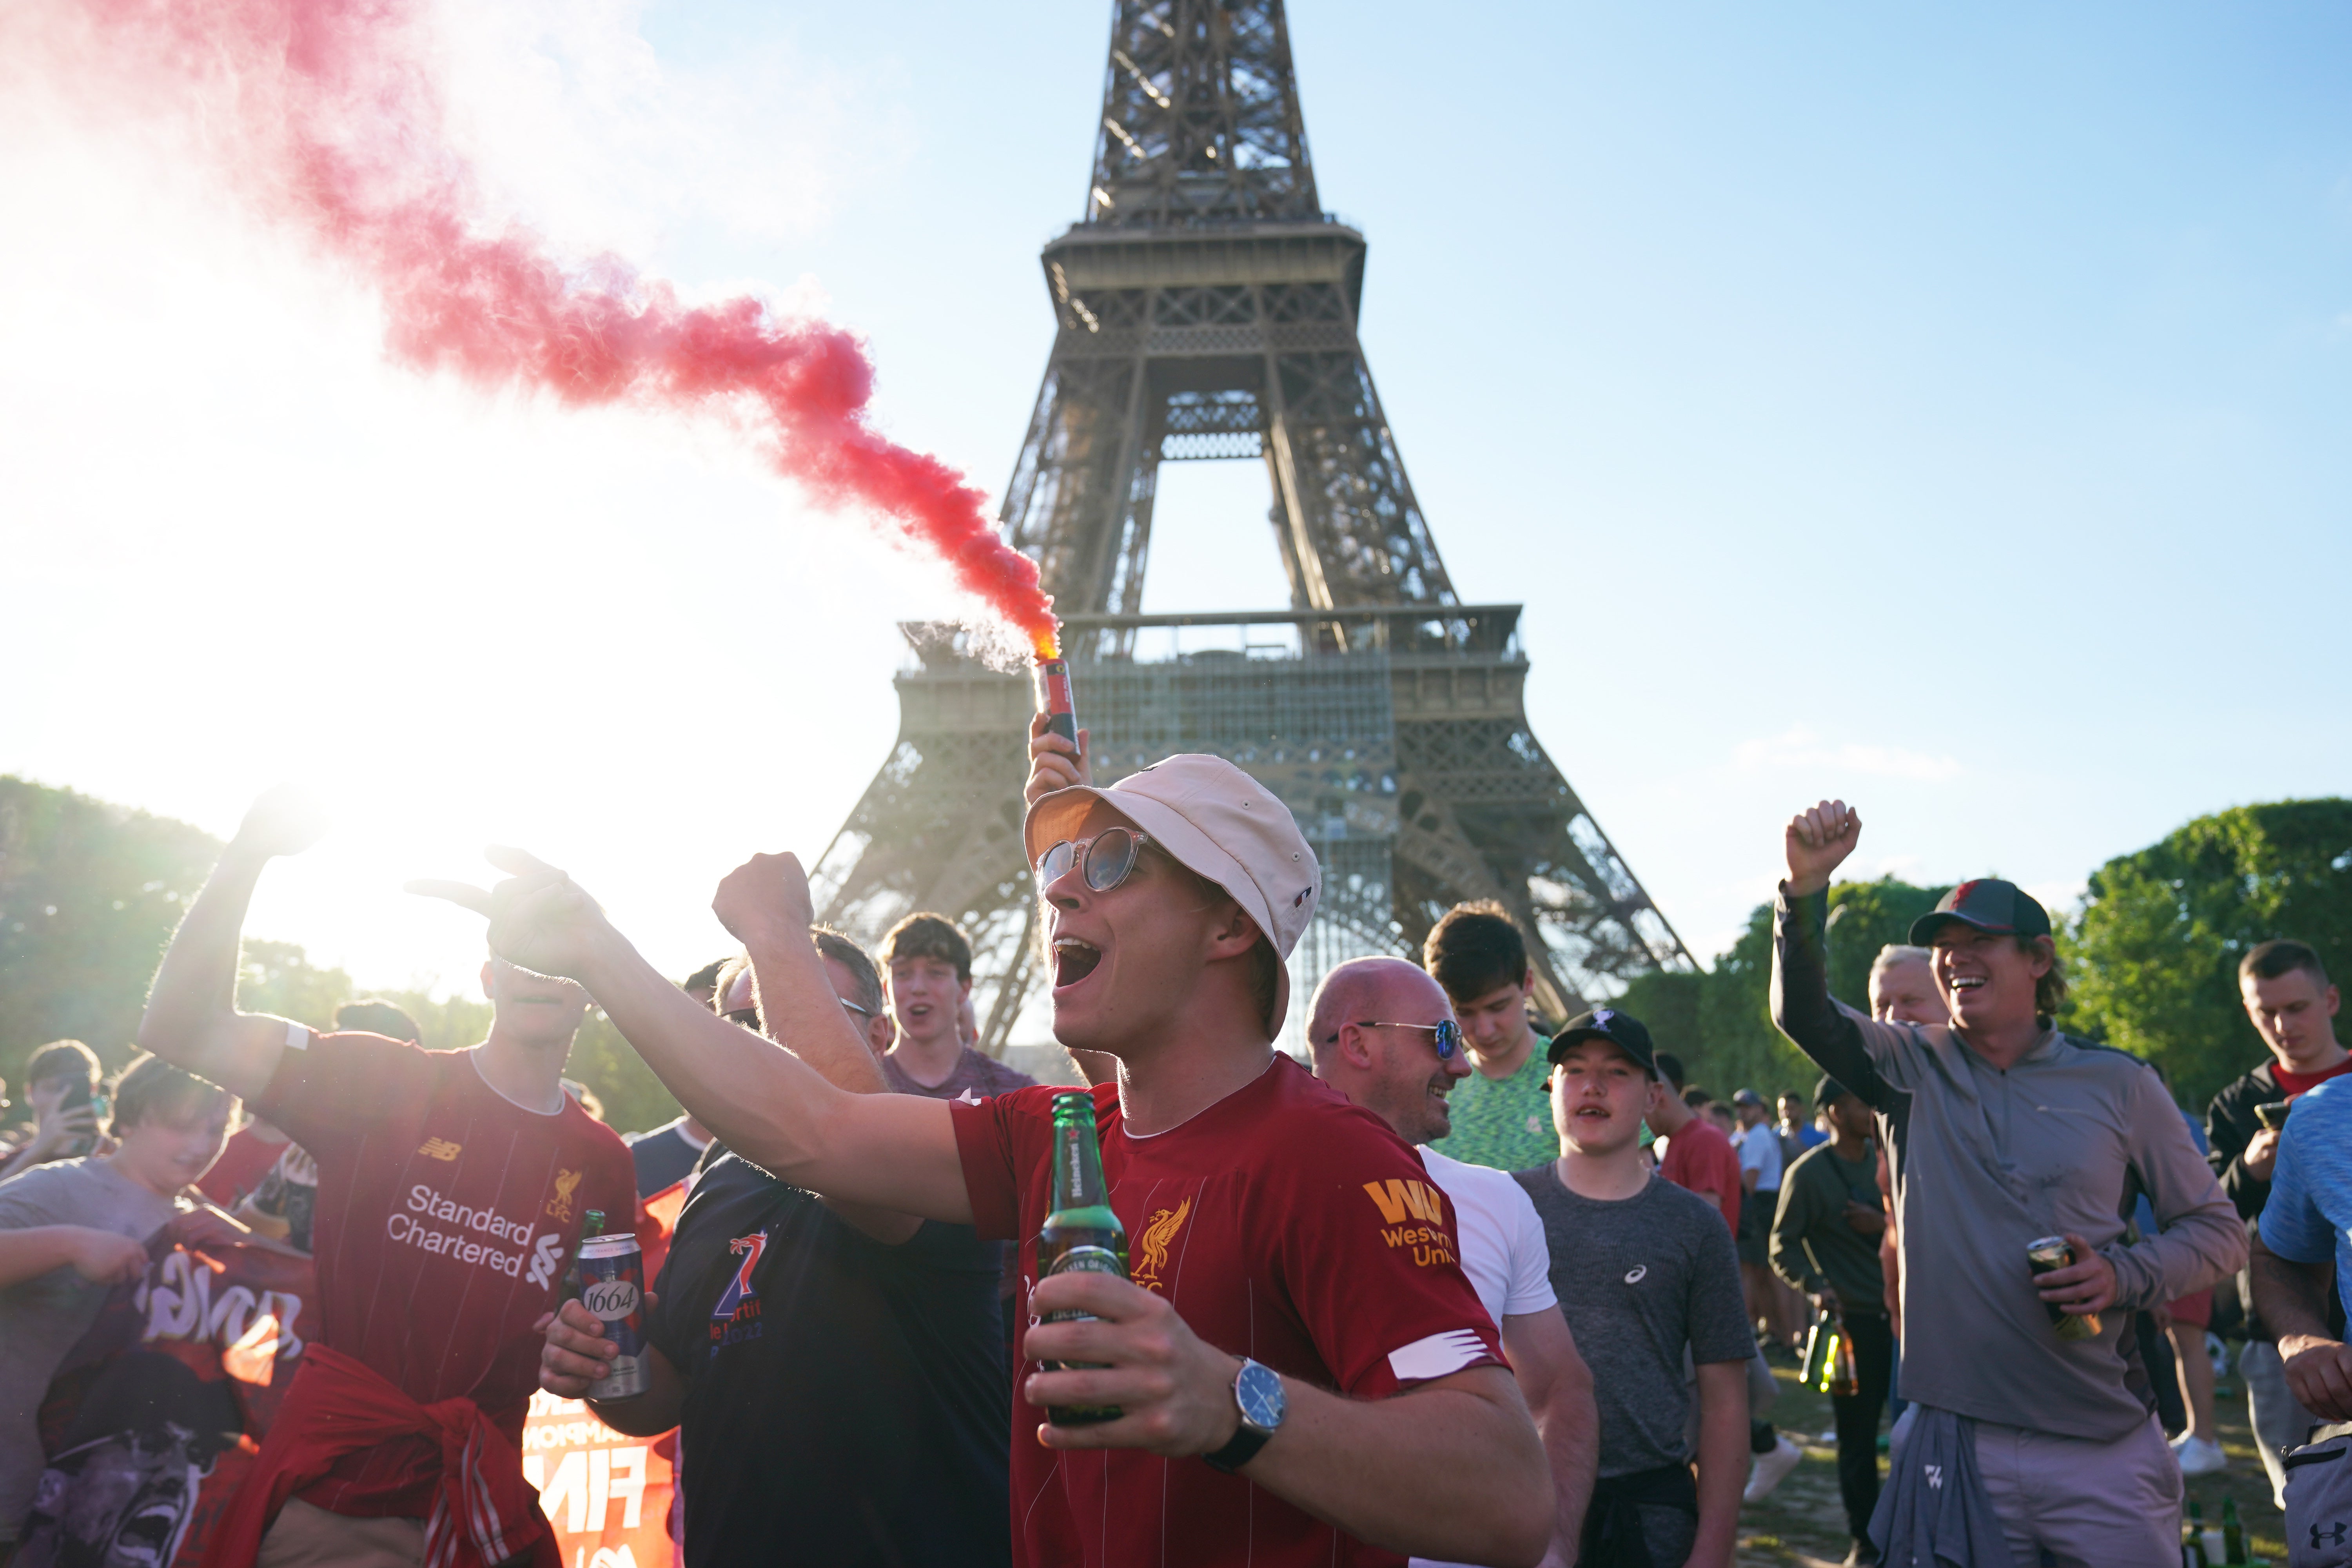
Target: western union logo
x,y
439,1149
1398,1200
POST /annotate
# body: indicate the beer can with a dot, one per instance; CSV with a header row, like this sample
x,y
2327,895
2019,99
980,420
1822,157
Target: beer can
x,y
2044,1256
613,1287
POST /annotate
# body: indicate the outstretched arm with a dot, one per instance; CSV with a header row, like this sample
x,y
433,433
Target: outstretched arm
x,y
192,1019
895,1150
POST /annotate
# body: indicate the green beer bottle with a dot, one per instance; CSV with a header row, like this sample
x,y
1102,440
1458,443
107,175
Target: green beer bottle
x,y
2233,1533
1081,1234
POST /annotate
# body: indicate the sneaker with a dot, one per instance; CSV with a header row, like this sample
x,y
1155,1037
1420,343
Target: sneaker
x,y
2199,1456
1863,1555
1770,1469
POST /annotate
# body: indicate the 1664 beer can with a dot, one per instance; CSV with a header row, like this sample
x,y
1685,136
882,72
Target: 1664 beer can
x,y
613,1287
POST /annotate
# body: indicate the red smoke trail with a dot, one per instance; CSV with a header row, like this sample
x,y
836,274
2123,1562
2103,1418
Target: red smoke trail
x,y
328,115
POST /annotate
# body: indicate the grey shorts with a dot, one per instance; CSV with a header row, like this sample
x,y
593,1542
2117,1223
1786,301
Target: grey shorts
x,y
2085,1503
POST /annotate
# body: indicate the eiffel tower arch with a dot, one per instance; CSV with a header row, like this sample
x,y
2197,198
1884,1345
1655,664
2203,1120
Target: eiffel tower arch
x,y
1205,308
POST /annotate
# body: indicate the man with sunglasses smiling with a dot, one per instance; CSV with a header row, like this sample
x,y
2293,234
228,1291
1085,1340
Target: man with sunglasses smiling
x,y
1304,1372
1383,1035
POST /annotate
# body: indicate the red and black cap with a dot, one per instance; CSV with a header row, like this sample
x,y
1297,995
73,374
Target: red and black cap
x,y
1987,904
1622,1030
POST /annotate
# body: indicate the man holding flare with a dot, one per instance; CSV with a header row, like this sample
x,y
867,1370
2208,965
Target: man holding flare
x,y
1264,1207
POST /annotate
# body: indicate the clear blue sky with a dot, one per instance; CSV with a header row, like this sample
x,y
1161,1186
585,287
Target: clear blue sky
x,y
1944,410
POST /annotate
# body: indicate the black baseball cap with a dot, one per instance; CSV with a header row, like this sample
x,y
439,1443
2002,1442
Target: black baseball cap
x,y
1826,1092
1987,904
1622,1030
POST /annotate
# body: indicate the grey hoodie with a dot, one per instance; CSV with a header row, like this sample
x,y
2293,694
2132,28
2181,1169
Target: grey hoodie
x,y
1985,1162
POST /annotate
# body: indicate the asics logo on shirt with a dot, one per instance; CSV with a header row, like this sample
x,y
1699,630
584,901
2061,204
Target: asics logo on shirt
x,y
1636,1274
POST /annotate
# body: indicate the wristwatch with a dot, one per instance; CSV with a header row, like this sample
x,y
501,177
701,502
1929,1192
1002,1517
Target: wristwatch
x,y
1258,1390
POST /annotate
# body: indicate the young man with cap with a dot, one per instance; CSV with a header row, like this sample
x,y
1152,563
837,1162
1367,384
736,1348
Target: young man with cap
x,y
1502,1112
2003,1131
1648,1281
1383,1035
1825,1244
1285,1244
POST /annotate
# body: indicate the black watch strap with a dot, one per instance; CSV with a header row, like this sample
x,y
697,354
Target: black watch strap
x,y
1239,1450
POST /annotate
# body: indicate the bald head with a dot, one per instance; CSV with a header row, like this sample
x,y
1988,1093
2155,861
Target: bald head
x,y
1371,988
1372,1028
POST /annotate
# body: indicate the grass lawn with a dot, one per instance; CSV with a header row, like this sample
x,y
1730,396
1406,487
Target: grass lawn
x,y
1802,1523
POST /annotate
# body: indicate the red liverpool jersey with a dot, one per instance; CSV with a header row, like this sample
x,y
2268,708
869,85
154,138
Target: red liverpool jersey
x,y
445,1215
1283,1223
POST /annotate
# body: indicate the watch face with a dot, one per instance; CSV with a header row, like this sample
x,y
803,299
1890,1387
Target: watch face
x,y
1259,1392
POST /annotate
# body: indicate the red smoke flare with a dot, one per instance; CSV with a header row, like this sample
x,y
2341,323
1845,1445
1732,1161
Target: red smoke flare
x,y
328,115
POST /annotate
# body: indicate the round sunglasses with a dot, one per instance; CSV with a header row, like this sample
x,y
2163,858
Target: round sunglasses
x,y
1105,860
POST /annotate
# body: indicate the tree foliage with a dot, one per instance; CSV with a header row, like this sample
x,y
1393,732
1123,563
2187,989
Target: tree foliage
x,y
89,894
2155,952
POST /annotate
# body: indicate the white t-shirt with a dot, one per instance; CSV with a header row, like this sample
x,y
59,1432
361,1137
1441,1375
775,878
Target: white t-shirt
x,y
1503,1247
1760,1151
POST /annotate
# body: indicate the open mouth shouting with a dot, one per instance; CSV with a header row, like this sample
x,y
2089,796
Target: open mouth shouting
x,y
1073,960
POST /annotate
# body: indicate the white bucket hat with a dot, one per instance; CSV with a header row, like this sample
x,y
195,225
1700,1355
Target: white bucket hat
x,y
1216,821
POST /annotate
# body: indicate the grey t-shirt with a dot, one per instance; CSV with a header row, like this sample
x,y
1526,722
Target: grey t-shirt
x,y
1639,1280
43,1318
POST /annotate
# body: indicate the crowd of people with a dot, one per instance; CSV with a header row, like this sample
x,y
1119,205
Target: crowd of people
x,y
1452,1290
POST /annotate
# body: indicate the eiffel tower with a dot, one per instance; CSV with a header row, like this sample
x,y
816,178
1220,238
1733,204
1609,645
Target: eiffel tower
x,y
1205,308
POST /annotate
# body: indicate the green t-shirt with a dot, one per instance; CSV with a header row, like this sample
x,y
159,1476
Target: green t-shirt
x,y
1504,1122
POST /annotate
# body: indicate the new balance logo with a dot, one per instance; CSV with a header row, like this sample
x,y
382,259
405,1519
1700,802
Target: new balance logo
x,y
440,1149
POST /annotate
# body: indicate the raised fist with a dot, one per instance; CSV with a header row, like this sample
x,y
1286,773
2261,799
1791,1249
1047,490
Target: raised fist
x,y
764,897
285,821
1817,842
539,918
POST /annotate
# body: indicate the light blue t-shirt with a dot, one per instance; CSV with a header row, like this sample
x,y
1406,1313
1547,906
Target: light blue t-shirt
x,y
2310,1206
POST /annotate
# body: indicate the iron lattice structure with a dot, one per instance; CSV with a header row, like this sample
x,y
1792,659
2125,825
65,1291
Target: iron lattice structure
x,y
1206,307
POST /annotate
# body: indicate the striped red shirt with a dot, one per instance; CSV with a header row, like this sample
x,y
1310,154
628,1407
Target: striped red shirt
x,y
447,1214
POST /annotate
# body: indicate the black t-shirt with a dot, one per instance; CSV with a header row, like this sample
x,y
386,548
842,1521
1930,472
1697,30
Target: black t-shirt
x,y
846,1401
